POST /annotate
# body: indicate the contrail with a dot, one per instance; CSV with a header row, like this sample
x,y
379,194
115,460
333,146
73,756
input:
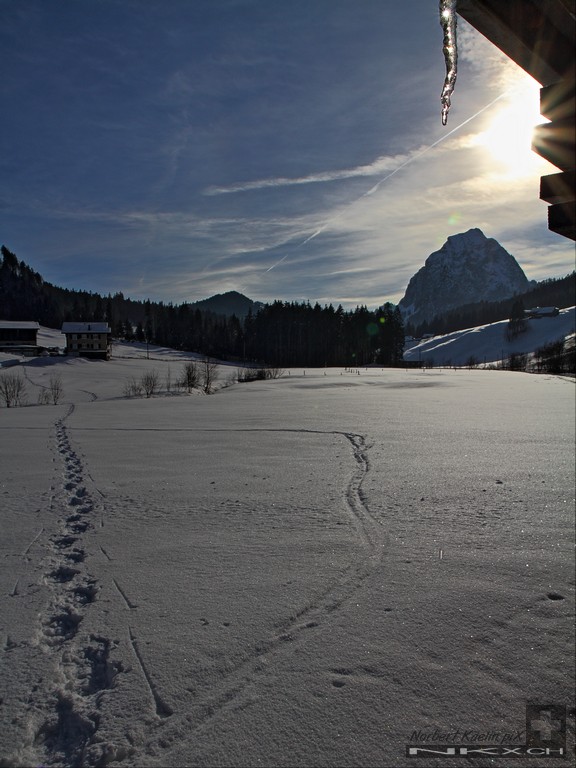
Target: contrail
x,y
278,262
434,144
410,160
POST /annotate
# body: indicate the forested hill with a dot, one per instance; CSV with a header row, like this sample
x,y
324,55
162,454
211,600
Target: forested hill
x,y
280,333
230,303
25,295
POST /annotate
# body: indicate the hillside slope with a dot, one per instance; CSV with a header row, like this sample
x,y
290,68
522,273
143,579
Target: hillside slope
x,y
488,343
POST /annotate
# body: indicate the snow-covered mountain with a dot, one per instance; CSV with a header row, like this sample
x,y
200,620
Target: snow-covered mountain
x,y
469,268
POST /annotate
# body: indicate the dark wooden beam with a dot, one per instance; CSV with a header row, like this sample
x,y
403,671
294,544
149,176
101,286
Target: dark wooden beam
x,y
556,142
539,35
558,100
558,187
561,219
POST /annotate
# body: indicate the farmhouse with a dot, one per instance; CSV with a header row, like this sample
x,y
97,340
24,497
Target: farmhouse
x,y
91,340
542,312
19,336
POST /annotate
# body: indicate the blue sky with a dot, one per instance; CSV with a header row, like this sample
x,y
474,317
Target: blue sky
x,y
288,149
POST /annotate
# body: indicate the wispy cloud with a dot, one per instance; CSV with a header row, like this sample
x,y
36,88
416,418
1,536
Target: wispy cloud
x,y
380,165
389,165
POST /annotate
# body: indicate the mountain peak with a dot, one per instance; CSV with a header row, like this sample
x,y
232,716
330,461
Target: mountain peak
x,y
228,303
469,268
473,237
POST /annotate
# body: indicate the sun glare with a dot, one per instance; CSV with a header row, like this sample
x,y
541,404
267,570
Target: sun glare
x,y
509,137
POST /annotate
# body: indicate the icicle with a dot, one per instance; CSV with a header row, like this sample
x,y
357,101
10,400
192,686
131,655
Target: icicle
x,y
450,50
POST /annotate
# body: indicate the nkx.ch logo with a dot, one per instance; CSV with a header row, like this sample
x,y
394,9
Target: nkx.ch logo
x,y
545,737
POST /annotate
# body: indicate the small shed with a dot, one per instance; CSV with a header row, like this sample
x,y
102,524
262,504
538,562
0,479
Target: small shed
x,y
19,336
92,340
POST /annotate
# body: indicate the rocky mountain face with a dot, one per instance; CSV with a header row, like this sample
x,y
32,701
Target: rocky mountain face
x,y
469,268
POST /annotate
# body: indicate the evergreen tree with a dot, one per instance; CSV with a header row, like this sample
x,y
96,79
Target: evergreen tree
x,y
517,323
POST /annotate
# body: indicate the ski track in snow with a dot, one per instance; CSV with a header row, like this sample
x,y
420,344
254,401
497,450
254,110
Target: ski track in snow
x,y
67,732
295,629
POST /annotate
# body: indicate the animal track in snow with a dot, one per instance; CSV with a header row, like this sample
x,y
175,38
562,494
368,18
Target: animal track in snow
x,y
63,542
63,626
86,593
101,671
64,574
76,556
68,733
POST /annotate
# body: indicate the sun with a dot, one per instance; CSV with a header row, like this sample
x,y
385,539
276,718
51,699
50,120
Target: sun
x,y
508,138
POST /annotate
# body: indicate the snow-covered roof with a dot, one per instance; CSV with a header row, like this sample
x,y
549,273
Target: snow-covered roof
x,y
86,328
13,324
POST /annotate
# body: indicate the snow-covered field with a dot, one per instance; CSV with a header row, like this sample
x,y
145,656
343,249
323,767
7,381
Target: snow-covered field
x,y
299,572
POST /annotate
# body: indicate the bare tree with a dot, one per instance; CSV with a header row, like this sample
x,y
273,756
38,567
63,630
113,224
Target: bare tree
x,y
190,376
518,361
12,389
274,372
55,388
132,388
150,382
209,374
259,374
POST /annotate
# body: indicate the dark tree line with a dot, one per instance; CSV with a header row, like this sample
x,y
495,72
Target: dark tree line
x,y
280,333
24,295
557,357
289,334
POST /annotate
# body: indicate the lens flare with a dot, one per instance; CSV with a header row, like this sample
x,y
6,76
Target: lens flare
x,y
509,136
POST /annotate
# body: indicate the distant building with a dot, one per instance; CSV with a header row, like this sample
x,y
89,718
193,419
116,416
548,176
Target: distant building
x,y
92,340
19,336
541,312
